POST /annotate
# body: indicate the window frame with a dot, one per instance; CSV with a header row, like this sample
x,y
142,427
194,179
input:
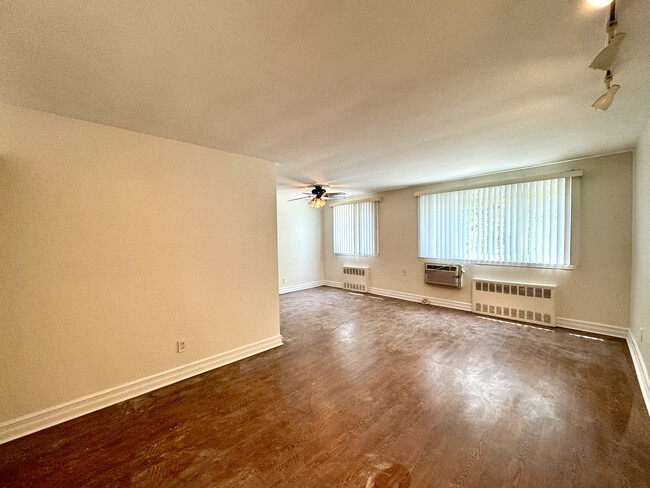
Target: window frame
x,y
375,201
523,176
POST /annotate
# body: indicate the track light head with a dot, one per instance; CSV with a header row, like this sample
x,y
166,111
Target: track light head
x,y
605,58
605,100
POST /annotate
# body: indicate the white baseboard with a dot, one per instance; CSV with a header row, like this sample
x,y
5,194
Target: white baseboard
x,y
333,284
301,286
42,419
641,369
593,327
411,297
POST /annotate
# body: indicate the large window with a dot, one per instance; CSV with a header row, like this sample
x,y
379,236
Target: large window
x,y
356,229
522,223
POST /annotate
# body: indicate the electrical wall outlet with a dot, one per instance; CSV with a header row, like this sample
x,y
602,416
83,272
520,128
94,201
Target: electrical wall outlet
x,y
180,345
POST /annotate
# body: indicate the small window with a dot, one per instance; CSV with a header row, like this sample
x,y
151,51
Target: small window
x,y
356,229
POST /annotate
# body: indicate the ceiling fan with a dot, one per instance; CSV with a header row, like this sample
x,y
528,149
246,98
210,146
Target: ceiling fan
x,y
319,195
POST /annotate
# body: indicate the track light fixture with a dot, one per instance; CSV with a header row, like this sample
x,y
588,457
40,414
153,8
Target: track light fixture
x,y
605,58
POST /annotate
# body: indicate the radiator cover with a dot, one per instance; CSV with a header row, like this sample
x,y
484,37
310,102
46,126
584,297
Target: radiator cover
x,y
356,278
525,302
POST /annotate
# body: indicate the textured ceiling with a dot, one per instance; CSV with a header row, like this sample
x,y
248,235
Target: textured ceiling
x,y
358,94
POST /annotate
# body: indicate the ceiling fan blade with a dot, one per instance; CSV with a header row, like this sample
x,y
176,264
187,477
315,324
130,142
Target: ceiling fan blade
x,y
300,198
607,56
334,194
334,197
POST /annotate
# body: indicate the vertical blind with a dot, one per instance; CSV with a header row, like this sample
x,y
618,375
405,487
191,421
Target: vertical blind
x,y
356,229
521,223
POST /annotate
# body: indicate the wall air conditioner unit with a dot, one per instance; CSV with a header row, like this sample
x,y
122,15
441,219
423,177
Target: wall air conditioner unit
x,y
443,274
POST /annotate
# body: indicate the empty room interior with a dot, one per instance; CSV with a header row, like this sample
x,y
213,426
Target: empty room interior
x,y
321,243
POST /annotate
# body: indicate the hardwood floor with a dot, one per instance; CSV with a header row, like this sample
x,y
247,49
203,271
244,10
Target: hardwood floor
x,y
369,392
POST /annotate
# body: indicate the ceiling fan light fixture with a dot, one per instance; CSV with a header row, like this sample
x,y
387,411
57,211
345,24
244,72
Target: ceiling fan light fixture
x,y
317,202
599,3
605,100
318,196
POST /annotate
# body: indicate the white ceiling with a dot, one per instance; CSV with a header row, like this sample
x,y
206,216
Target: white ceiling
x,y
365,95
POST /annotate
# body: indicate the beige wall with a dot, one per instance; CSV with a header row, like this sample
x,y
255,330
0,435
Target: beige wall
x,y
300,228
114,244
640,299
598,290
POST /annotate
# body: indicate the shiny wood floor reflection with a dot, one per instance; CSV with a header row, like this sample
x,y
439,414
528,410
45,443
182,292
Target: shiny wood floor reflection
x,y
370,392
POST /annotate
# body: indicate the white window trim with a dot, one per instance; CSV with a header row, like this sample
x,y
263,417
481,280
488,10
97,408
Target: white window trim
x,y
471,183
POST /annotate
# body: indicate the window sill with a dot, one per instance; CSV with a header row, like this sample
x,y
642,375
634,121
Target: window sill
x,y
356,255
